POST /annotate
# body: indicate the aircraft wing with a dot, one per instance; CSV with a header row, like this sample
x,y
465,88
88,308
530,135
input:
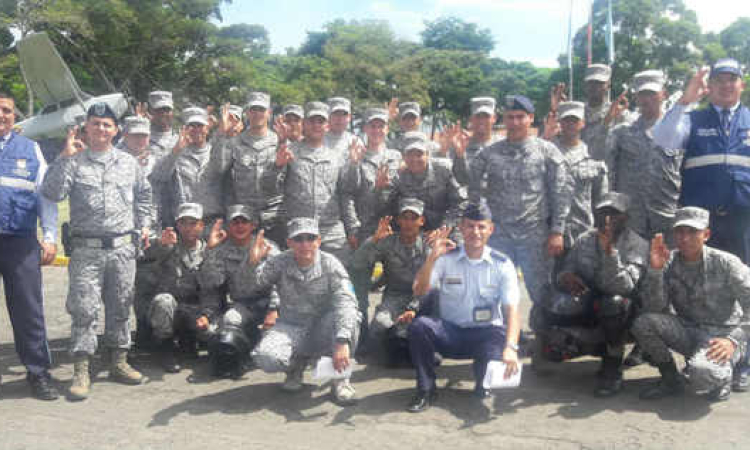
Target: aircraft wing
x,y
45,72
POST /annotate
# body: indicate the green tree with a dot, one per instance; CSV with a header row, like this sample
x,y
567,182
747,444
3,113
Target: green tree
x,y
736,40
452,33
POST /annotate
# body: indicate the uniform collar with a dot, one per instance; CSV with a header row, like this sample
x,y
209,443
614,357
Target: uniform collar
x,y
5,139
486,254
732,110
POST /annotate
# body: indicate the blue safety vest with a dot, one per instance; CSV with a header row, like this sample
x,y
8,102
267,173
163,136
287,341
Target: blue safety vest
x,y
18,198
716,167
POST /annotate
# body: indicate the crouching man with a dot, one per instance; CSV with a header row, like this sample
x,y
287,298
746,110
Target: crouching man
x,y
316,313
477,304
705,288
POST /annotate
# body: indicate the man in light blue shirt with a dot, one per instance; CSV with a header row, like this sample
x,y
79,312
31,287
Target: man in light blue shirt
x,y
22,169
478,298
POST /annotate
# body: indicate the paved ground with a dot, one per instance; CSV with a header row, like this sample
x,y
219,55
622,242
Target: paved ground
x,y
190,410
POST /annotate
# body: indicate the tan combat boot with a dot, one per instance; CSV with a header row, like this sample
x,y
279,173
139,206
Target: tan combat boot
x,y
79,390
121,371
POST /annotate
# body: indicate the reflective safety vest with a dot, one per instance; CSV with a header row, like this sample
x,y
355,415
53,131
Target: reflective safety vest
x,y
18,198
716,167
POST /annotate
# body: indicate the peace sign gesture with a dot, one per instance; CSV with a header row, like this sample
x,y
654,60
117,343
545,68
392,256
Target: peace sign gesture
x,y
617,108
141,109
281,129
217,235
383,178
283,155
73,144
384,229
260,249
356,151
183,141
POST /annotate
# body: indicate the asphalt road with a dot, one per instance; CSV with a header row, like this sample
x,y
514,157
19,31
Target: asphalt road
x,y
190,410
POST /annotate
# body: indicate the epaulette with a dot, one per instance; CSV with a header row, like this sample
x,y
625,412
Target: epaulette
x,y
498,255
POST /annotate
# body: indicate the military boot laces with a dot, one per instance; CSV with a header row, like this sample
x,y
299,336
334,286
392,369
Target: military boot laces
x,y
81,386
121,371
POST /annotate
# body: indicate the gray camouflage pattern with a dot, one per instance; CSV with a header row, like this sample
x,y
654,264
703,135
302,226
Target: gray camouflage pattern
x,y
371,204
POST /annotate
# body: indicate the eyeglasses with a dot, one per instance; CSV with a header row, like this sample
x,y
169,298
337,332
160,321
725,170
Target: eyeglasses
x,y
304,238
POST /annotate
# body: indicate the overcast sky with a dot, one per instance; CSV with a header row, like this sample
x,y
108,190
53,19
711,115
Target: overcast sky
x,y
524,30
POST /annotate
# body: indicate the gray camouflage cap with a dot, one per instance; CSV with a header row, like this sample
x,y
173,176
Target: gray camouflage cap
x,y
235,211
195,114
409,108
574,109
302,225
295,110
236,111
412,204
484,105
319,109
339,104
649,80
137,125
258,99
691,216
160,99
615,200
598,72
192,210
415,140
376,114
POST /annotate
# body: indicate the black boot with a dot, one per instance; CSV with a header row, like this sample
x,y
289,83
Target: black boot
x,y
669,385
169,359
610,382
635,357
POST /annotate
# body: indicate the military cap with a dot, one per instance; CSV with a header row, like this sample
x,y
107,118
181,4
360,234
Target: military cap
x,y
302,225
409,108
192,210
339,104
235,211
481,105
691,216
519,102
160,99
295,110
101,110
258,99
415,140
477,211
598,72
649,80
726,65
235,111
614,200
319,109
376,114
412,204
195,114
137,125
571,109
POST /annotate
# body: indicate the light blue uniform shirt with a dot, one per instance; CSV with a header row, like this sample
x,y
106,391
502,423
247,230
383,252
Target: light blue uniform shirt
x,y
465,285
673,130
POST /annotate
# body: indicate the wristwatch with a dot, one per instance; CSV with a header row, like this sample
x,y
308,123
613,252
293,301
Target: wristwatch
x,y
512,346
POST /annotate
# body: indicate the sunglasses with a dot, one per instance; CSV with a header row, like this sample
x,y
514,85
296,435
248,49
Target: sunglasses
x,y
304,238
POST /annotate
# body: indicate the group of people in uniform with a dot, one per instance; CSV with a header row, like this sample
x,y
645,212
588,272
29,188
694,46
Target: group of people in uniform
x,y
257,236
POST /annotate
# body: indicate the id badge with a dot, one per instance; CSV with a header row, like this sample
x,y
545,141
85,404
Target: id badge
x,y
482,314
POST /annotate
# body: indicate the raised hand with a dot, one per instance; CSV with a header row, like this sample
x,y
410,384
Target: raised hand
x,y
73,144
659,254
168,237
393,108
617,108
442,232
182,142
460,140
217,235
141,109
356,151
281,129
283,155
557,95
384,229
382,178
212,120
551,126
260,249
697,88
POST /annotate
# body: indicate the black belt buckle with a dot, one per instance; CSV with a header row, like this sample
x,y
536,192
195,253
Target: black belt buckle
x,y
108,243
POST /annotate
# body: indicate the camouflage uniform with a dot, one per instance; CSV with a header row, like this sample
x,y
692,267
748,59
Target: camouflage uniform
x,y
109,198
529,199
400,267
433,148
316,184
461,166
316,307
443,197
688,304
631,154
177,304
227,273
371,203
246,160
589,184
340,143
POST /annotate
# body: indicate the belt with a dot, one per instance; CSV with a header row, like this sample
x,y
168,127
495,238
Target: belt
x,y
105,243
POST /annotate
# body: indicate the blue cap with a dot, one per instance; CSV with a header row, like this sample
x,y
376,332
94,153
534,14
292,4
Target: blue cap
x,y
726,65
519,102
478,211
101,110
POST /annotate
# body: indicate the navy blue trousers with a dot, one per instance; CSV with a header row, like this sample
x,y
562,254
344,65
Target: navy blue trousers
x,y
731,232
428,335
20,258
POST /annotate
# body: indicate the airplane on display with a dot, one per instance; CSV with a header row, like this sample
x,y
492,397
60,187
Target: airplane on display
x,y
53,84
